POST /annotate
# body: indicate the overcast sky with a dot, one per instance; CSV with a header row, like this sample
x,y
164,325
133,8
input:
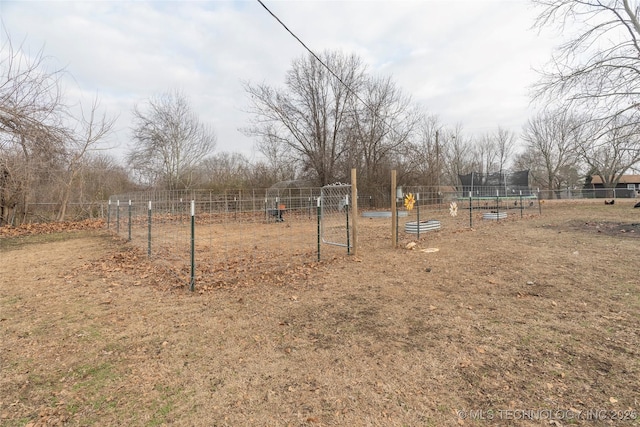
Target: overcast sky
x,y
469,62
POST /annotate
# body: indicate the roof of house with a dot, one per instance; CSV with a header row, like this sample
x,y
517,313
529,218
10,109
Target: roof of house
x,y
625,179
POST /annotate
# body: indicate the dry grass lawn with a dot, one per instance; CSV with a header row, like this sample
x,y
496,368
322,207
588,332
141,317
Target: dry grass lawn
x,y
526,318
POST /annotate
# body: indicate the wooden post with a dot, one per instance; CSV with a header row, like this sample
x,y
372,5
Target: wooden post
x,y
354,210
394,210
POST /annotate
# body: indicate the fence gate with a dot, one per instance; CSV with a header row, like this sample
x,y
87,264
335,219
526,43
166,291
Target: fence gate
x,y
335,209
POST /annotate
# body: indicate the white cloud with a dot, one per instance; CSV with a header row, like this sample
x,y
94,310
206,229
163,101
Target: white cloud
x,y
467,61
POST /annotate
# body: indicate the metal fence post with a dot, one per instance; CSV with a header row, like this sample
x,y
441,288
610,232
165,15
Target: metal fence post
x,y
118,216
149,230
394,211
418,213
521,207
129,219
319,215
192,282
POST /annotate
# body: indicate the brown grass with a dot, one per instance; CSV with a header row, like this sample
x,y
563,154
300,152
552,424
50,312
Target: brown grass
x,y
533,314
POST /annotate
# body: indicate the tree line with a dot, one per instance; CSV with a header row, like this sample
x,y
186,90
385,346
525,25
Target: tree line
x,y
330,115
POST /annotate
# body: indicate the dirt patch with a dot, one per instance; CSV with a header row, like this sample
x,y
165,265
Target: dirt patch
x,y
524,318
619,229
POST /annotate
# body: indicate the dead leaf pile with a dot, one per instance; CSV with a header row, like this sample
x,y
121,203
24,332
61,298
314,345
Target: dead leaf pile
x,y
132,267
51,227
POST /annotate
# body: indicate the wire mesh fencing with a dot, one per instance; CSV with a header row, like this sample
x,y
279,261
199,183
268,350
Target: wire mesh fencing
x,y
241,237
423,210
335,209
623,191
234,238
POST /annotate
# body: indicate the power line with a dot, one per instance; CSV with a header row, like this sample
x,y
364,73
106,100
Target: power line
x,y
311,51
353,92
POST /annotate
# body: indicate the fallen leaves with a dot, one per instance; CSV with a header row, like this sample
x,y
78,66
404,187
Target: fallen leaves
x,y
51,227
445,338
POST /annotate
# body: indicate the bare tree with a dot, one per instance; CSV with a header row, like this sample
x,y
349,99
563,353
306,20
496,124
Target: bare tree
x,y
42,145
598,70
439,154
280,163
383,120
30,96
494,150
330,119
91,129
309,118
100,176
552,140
224,171
457,154
170,141
505,144
485,155
421,158
12,182
612,151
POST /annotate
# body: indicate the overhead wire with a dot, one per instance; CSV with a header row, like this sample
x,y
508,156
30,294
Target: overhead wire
x,y
308,49
353,92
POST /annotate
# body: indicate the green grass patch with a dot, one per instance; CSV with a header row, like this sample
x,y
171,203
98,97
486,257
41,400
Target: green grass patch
x,y
160,416
93,378
163,406
18,422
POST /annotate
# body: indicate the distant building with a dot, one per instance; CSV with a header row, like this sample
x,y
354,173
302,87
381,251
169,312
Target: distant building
x,y
628,186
